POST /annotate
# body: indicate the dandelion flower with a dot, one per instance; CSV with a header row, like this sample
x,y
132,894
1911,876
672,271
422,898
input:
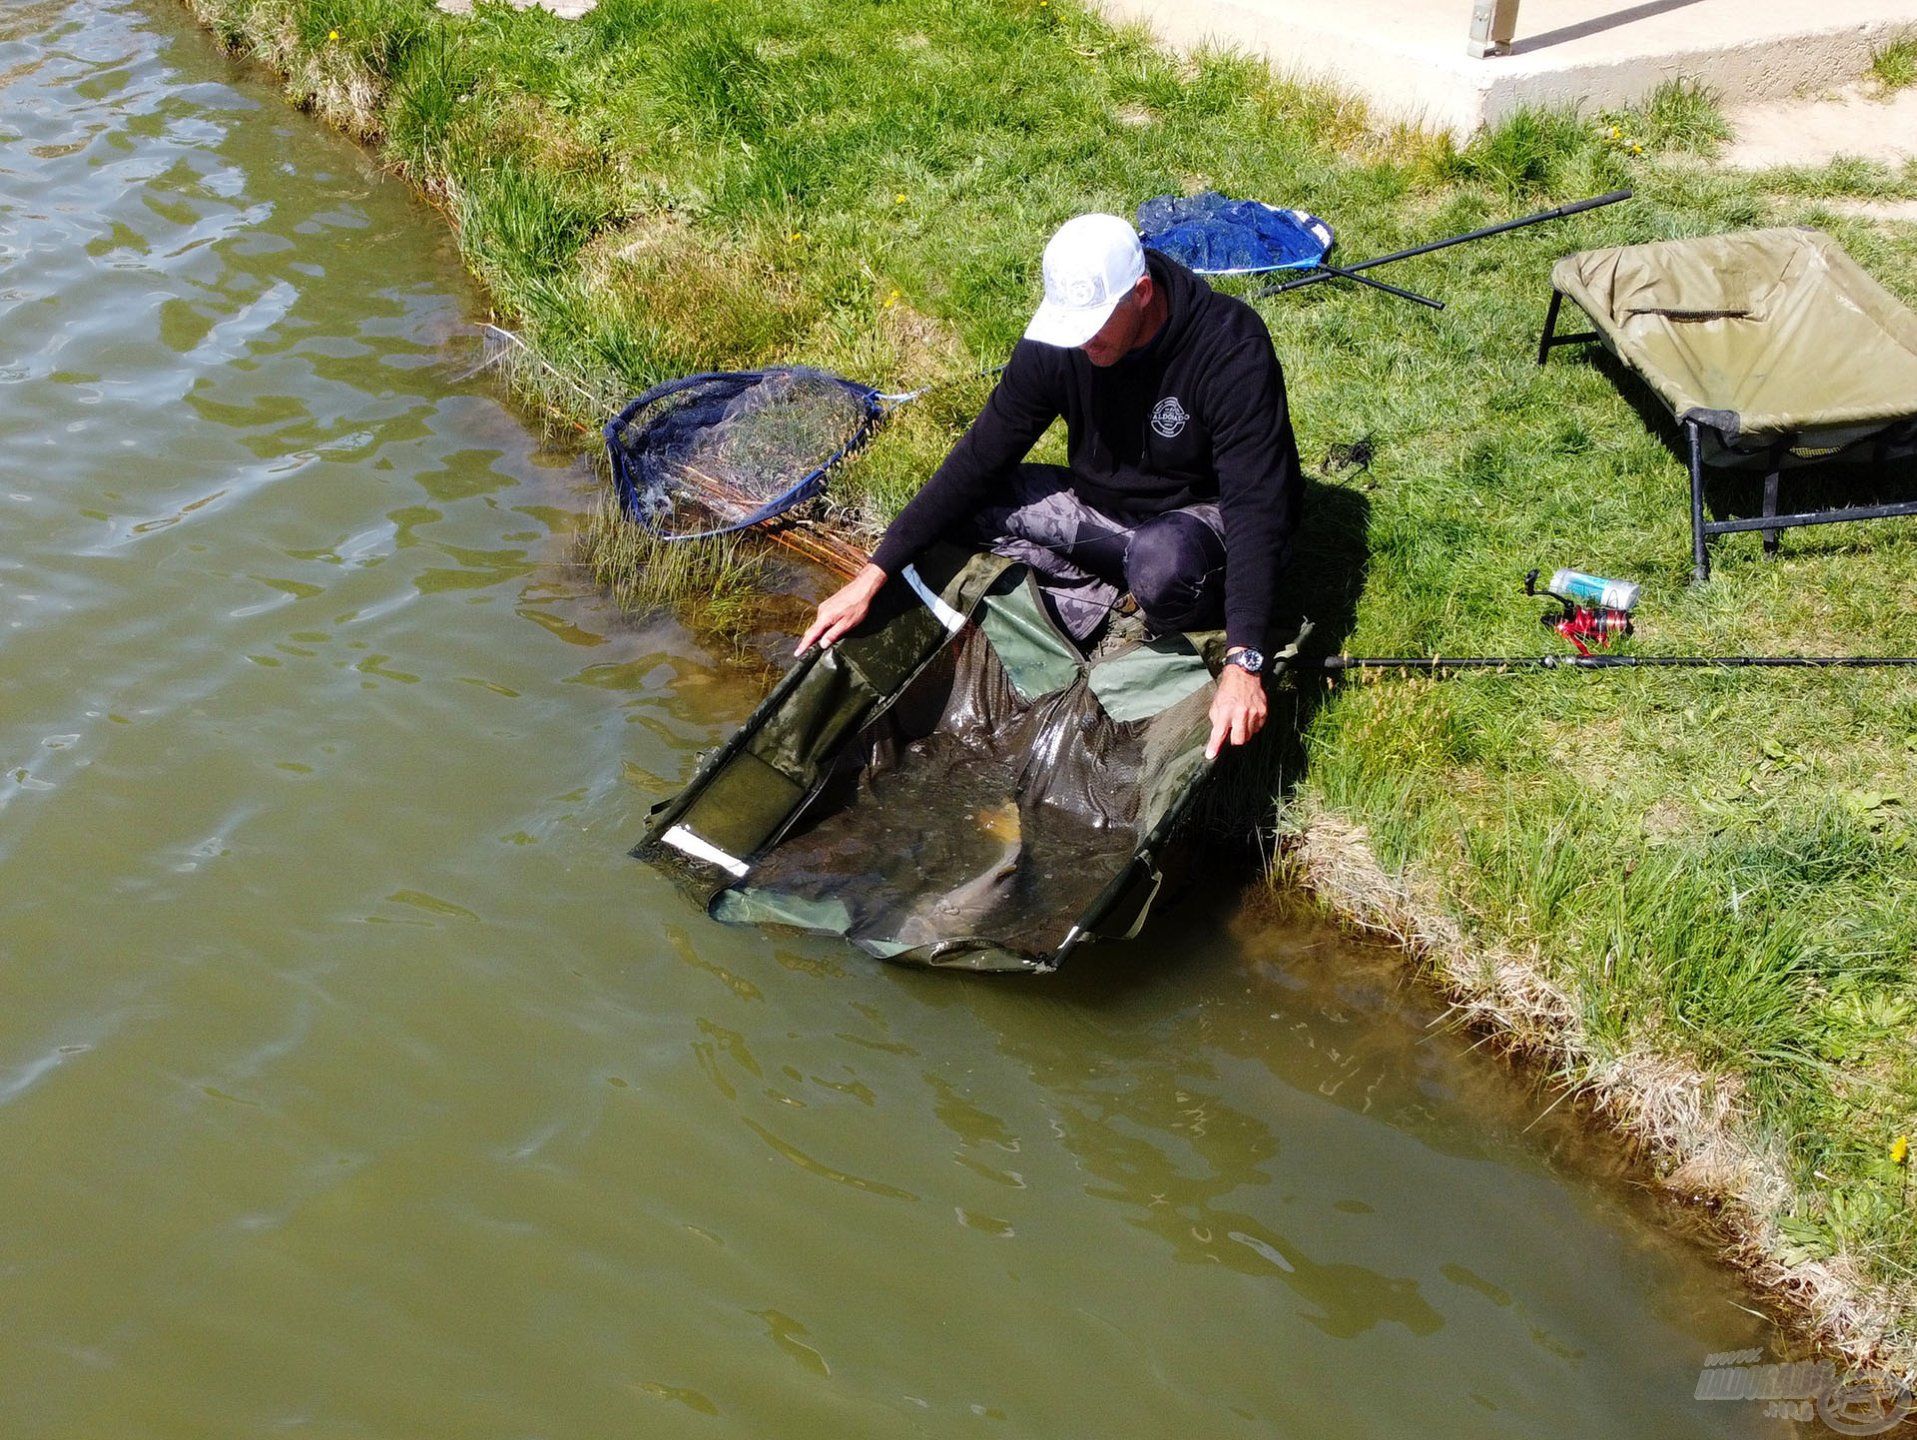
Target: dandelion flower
x,y
332,34
899,199
1900,1150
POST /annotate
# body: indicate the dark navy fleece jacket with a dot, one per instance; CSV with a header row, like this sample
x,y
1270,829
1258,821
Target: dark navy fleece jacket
x,y
1197,415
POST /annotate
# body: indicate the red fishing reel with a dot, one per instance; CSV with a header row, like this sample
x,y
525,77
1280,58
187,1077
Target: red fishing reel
x,y
1586,627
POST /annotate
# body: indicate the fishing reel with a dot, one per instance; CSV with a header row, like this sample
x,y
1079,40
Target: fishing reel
x,y
1585,626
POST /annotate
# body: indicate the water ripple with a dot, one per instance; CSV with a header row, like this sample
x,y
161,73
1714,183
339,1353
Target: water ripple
x,y
410,1104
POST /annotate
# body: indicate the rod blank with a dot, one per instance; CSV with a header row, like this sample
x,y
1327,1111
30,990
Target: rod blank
x,y
1482,233
1613,662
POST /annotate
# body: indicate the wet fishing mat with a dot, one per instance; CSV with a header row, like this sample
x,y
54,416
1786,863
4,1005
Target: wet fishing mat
x,y
955,784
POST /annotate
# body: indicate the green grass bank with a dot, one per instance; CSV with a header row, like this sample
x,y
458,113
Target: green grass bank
x,y
1692,894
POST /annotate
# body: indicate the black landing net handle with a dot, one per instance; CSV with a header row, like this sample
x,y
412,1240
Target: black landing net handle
x,y
1483,233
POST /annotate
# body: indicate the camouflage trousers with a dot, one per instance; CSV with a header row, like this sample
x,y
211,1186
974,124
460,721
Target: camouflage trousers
x,y
1173,564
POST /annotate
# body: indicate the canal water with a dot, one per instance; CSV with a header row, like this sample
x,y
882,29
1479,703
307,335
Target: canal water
x,y
354,1082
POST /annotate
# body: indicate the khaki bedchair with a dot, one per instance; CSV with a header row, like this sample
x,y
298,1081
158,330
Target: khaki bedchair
x,y
1771,348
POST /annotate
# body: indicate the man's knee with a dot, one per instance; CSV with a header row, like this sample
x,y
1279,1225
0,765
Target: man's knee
x,y
1174,567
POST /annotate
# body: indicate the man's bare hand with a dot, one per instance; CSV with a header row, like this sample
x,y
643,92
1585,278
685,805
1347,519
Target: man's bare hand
x,y
843,609
1237,710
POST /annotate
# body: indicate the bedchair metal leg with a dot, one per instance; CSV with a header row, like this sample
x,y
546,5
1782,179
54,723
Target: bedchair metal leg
x,y
1700,558
1770,510
1550,325
1550,339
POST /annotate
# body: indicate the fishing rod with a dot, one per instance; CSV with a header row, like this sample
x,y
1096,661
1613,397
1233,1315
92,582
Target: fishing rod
x,y
1484,232
1594,613
1337,663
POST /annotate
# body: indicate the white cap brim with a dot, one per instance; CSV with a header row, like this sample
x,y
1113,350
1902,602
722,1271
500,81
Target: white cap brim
x,y
1069,326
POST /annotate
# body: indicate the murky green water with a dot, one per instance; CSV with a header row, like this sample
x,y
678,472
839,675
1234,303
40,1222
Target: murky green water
x,y
353,1082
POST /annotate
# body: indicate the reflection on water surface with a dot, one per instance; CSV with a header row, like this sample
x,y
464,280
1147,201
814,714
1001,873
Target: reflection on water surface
x,y
353,1080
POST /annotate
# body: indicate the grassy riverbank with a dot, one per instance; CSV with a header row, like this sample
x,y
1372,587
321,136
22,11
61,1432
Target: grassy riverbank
x,y
1695,892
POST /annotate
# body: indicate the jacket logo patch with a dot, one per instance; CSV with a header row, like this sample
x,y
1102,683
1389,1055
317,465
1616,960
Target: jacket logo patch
x,y
1169,417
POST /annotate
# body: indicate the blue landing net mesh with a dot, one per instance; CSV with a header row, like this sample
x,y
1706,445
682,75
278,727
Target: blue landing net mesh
x,y
712,453
1216,235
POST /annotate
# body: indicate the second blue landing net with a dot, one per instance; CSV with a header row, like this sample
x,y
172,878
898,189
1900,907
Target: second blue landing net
x,y
1213,234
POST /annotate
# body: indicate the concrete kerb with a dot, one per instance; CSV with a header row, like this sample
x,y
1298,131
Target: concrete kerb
x,y
1408,59
1853,121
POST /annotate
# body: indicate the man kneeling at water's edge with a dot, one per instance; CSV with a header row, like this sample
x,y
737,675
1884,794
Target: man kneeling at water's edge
x,y
1182,484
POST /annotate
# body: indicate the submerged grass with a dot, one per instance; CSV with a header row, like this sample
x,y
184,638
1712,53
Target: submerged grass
x,y
1696,891
714,584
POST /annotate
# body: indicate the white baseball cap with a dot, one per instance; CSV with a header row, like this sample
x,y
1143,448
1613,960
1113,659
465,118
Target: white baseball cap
x,y
1090,265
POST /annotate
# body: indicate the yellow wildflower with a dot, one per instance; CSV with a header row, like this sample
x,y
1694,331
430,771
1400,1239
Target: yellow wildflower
x,y
899,199
332,34
1900,1150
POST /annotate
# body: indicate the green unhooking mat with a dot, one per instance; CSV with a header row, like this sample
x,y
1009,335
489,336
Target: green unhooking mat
x,y
1767,336
953,784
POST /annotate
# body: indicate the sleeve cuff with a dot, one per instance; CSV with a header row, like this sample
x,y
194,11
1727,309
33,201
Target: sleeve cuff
x,y
892,555
1239,633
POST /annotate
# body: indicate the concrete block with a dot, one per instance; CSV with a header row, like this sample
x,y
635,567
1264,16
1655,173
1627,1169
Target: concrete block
x,y
1409,60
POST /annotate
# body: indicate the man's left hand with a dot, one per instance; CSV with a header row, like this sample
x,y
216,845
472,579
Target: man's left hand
x,y
1237,710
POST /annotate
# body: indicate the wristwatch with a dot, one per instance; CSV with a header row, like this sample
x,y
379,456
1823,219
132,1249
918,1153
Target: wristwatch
x,y
1247,659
